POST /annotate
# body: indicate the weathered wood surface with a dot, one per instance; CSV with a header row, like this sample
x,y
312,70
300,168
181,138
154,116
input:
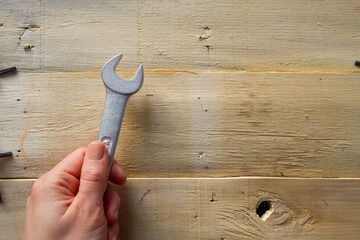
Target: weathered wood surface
x,y
204,111
189,124
218,208
294,35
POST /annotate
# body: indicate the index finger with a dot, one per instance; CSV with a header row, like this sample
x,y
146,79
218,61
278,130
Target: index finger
x,y
72,163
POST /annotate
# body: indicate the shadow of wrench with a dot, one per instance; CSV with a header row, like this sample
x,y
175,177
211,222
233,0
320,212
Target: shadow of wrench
x,y
118,91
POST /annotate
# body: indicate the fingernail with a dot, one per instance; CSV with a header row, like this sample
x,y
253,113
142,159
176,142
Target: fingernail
x,y
95,151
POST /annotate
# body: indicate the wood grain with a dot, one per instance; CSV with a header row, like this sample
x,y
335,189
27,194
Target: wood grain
x,y
232,88
293,35
197,124
20,34
223,208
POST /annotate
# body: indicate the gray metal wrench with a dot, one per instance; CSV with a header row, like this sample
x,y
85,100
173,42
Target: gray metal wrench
x,y
118,91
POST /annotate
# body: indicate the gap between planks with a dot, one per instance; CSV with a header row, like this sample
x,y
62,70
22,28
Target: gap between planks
x,y
167,72
212,178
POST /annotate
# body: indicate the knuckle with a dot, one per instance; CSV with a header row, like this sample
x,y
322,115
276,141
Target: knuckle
x,y
37,186
40,185
92,174
88,213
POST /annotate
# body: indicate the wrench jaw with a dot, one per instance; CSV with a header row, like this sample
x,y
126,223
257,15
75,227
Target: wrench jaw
x,y
139,78
118,85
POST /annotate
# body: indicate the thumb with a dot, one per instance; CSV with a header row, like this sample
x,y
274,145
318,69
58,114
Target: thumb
x,y
94,172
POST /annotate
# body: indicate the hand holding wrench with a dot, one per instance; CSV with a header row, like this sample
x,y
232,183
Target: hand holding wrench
x,y
118,91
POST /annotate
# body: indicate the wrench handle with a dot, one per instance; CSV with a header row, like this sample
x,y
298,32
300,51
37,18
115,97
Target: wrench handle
x,y
111,121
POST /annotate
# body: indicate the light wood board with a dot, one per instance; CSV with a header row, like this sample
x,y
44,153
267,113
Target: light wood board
x,y
189,124
294,35
218,208
232,88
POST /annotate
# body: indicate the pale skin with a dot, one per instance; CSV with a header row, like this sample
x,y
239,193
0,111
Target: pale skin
x,y
69,202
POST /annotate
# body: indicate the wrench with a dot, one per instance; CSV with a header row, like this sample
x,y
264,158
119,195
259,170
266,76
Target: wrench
x,y
118,91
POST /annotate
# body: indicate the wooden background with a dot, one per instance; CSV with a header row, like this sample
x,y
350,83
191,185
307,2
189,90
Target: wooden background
x,y
242,102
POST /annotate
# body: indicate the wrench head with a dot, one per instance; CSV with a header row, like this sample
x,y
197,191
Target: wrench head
x,y
116,84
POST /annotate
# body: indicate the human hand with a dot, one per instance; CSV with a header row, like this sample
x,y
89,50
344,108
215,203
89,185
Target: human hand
x,y
68,202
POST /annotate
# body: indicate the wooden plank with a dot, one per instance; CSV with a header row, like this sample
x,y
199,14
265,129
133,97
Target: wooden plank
x,y
181,35
249,35
218,208
20,43
189,124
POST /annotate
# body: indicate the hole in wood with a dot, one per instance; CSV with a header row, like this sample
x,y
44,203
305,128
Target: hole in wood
x,y
264,210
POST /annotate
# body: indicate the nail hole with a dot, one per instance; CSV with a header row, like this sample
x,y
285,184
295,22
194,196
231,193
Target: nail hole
x,y
28,47
212,197
264,210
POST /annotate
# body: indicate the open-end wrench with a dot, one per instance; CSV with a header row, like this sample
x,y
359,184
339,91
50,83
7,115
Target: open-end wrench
x,y
118,91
